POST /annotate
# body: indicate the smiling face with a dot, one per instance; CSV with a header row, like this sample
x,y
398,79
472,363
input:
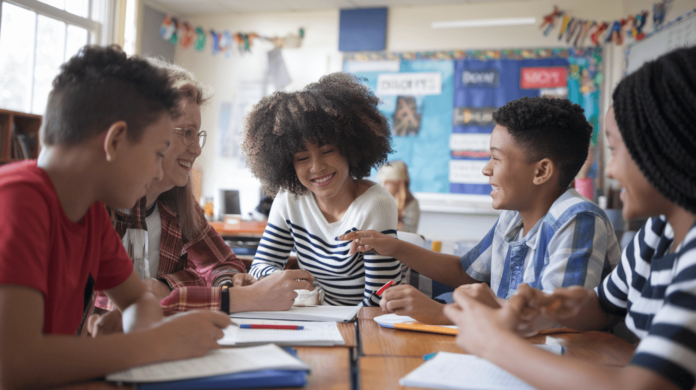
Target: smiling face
x,y
322,170
639,197
509,172
179,158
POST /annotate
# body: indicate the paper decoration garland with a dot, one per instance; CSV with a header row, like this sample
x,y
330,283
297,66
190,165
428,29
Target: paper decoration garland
x,y
578,31
182,32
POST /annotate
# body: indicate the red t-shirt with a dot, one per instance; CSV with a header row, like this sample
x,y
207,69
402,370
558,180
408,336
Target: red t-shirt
x,y
42,249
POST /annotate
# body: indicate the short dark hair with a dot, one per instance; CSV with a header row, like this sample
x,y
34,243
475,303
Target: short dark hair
x,y
338,110
549,128
100,86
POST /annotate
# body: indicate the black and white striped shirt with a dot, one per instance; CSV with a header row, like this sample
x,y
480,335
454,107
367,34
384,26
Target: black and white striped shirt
x,y
656,290
297,221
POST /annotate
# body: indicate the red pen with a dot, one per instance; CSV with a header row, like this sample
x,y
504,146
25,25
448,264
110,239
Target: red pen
x,y
270,326
384,288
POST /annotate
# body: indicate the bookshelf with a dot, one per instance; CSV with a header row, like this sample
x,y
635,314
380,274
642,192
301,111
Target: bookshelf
x,y
19,136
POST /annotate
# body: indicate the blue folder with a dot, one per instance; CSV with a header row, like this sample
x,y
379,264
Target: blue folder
x,y
243,380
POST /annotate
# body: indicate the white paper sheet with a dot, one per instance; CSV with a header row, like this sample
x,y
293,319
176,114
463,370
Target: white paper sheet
x,y
314,334
458,371
218,362
313,313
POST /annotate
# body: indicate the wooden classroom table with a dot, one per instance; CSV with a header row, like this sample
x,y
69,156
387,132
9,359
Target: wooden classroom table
x,y
242,229
390,354
330,366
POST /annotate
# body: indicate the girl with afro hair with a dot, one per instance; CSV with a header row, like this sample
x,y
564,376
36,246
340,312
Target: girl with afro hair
x,y
651,133
312,149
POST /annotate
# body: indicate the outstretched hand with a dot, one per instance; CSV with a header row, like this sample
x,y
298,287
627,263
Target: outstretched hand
x,y
366,240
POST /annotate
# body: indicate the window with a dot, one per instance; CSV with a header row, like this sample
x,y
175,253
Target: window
x,y
36,37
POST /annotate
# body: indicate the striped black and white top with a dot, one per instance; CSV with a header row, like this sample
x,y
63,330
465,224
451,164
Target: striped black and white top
x,y
656,290
296,221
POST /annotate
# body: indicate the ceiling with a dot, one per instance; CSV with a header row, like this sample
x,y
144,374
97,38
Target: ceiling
x,y
208,7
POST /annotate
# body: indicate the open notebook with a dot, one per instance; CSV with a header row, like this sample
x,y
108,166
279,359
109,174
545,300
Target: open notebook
x,y
313,334
457,371
310,313
218,362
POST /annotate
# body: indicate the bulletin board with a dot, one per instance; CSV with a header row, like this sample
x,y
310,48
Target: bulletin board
x,y
440,104
679,33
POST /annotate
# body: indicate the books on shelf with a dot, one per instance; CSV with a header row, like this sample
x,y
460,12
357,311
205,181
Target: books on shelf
x,y
3,142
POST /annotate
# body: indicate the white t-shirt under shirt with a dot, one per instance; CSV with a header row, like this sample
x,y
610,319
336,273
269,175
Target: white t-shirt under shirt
x,y
143,246
297,221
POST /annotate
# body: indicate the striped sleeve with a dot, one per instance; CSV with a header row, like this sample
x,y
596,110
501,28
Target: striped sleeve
x,y
276,243
379,270
477,262
614,289
670,345
578,253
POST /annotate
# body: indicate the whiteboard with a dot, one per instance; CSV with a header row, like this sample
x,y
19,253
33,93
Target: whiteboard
x,y
680,33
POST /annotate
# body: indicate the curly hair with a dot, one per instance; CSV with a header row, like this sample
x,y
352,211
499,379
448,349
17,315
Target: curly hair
x,y
549,128
654,108
100,86
338,110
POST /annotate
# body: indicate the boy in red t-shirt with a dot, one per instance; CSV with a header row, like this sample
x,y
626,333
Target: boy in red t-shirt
x,y
107,125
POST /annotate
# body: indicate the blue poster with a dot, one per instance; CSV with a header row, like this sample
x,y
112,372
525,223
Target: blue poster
x,y
440,104
480,87
420,118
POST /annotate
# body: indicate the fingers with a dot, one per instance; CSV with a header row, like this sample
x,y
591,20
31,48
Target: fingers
x,y
399,307
217,318
383,305
453,312
355,235
299,274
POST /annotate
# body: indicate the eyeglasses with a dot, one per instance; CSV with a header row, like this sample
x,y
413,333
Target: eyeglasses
x,y
190,135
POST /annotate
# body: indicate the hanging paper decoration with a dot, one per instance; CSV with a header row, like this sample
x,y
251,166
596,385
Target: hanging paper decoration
x,y
549,21
200,39
180,31
186,34
216,41
659,12
577,31
167,28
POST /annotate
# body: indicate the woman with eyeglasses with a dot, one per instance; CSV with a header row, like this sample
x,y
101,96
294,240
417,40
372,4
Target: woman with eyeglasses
x,y
181,258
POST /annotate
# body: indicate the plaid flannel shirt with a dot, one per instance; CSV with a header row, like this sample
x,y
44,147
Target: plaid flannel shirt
x,y
194,270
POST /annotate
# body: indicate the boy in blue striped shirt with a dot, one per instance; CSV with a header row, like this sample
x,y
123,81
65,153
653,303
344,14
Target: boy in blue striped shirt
x,y
547,236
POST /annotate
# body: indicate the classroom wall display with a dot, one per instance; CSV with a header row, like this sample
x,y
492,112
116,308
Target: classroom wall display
x,y
440,104
681,32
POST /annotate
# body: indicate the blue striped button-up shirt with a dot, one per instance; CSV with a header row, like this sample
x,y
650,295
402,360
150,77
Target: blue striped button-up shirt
x,y
574,244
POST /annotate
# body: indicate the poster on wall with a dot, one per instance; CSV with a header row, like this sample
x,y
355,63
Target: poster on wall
x,y
440,104
417,102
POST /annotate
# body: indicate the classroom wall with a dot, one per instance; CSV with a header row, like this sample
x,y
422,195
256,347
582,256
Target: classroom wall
x,y
152,43
408,30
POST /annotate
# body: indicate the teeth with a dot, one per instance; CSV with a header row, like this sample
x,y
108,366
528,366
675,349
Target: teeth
x,y
324,180
184,163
